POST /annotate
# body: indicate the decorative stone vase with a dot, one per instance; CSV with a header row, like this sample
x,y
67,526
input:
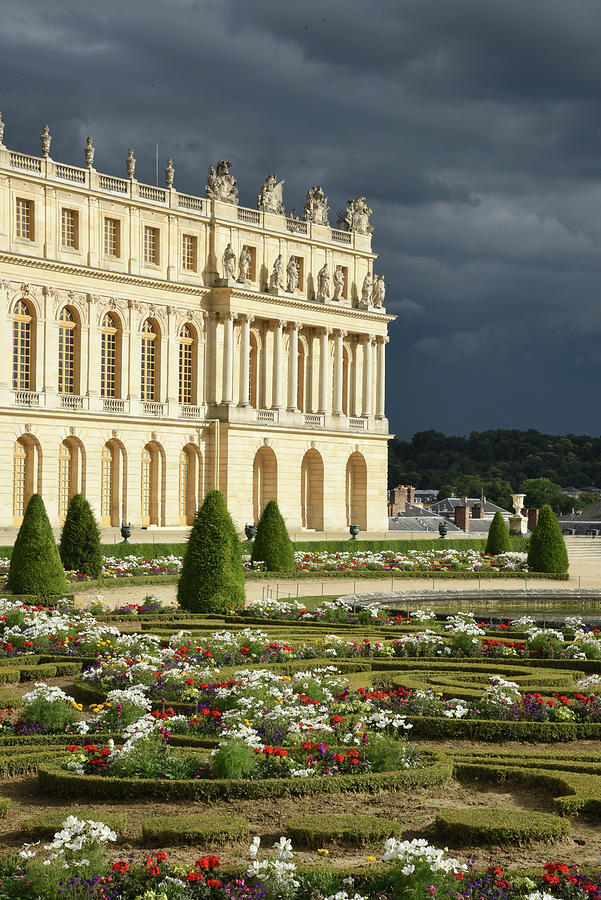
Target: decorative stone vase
x,y
125,532
518,503
250,531
354,530
442,529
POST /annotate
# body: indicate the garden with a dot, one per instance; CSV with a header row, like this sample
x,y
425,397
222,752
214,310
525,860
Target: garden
x,y
158,753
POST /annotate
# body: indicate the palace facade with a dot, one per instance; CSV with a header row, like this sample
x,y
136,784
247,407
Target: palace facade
x,y
154,345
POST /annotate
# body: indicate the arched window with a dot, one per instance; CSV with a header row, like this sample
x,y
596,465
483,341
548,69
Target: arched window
x,y
67,332
65,477
147,485
184,484
20,499
265,480
356,491
109,337
312,491
151,492
253,371
148,380
106,485
346,372
22,347
187,366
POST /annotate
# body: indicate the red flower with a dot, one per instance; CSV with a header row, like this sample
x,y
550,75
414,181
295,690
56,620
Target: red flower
x,y
160,856
153,871
194,876
120,867
550,879
72,747
213,882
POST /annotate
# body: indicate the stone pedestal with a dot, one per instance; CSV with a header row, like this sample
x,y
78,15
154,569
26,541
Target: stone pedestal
x,y
518,525
227,282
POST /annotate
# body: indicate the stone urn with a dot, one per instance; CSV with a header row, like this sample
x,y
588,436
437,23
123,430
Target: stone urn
x,y
518,503
250,531
354,530
442,529
518,524
125,533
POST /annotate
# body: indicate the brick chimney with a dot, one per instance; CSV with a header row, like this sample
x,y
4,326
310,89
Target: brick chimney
x,y
462,517
532,518
477,511
401,495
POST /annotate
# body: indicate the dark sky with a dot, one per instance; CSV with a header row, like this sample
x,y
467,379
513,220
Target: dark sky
x,y
473,127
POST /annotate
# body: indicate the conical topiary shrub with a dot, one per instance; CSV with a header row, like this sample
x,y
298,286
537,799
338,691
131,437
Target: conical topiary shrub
x,y
35,564
80,539
498,536
272,544
547,551
211,578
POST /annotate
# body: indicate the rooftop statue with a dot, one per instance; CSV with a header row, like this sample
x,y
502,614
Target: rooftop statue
x,y
269,198
379,292
221,185
367,289
355,217
316,206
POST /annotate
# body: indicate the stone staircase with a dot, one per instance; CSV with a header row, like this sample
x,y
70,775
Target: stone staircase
x,y
583,548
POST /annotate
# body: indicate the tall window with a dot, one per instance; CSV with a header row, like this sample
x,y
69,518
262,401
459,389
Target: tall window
x,y
19,481
184,482
300,376
186,348
253,372
112,237
70,228
25,219
189,252
108,356
148,366
65,467
66,352
106,485
151,245
22,347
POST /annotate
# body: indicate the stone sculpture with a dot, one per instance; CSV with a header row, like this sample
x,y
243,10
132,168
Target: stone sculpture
x,y
169,173
316,206
276,281
292,273
338,283
379,291
229,263
355,217
221,185
269,198
88,151
244,264
367,290
323,283
45,139
130,162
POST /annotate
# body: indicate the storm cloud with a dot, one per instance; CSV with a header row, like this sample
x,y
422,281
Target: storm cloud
x,y
473,128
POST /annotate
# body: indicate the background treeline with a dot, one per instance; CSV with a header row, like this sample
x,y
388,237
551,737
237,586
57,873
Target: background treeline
x,y
499,462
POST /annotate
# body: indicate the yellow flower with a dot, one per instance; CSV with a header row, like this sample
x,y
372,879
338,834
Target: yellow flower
x,y
76,705
323,850
370,858
247,722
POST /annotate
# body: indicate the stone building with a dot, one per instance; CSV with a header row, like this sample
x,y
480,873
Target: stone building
x,y
155,344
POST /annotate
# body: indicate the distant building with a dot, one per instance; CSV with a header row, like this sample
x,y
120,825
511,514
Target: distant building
x,y
585,521
480,508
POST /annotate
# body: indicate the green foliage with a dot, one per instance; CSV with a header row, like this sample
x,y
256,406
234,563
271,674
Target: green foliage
x,y
5,805
476,825
272,544
235,759
80,539
162,831
45,824
35,566
542,491
318,830
211,578
547,551
498,536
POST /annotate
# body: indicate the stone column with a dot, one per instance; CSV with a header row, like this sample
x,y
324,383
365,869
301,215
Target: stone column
x,y
338,368
381,377
367,376
278,340
324,386
90,372
293,368
246,322
212,335
228,358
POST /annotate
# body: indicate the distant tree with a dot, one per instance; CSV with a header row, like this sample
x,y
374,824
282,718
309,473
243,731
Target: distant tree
x,y
80,539
272,544
586,498
498,491
547,551
498,540
35,564
541,491
211,578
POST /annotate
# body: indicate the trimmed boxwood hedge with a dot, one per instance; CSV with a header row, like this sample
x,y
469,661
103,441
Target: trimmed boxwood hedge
x,y
318,830
473,826
440,729
161,831
437,770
